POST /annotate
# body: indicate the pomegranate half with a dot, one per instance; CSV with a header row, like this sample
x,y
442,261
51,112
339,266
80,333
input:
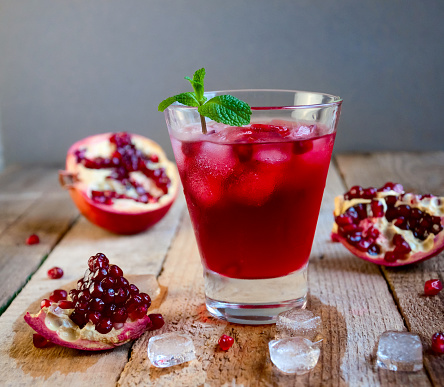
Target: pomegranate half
x,y
121,182
102,312
388,226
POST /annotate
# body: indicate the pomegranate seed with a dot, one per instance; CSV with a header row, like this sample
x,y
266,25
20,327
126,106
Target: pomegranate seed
x,y
109,310
361,209
96,290
108,295
353,214
146,299
390,256
372,233
404,210
64,304
33,239
108,282
225,342
55,273
377,209
40,342
120,296
99,274
133,289
58,295
122,282
73,294
391,200
355,192
157,321
79,318
374,249
115,271
138,313
432,287
82,307
354,237
438,343
120,315
45,303
369,193
416,213
343,220
104,326
84,296
95,317
363,244
350,228
154,158
96,304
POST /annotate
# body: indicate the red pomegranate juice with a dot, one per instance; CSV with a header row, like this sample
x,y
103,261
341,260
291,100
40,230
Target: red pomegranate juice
x,y
254,195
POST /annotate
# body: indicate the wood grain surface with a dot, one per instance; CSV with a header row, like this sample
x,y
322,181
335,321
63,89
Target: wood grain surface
x,y
356,300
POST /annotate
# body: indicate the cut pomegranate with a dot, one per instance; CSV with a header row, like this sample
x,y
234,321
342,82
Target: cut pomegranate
x,y
432,287
93,318
55,273
225,342
33,239
388,226
122,182
438,343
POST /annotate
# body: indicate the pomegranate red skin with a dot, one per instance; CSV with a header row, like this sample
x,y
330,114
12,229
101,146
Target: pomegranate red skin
x,y
106,216
415,258
131,331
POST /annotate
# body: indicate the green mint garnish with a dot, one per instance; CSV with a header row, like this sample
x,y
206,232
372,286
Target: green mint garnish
x,y
224,108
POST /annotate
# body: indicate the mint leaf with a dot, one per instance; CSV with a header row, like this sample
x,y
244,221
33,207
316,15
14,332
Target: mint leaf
x,y
198,84
226,109
188,99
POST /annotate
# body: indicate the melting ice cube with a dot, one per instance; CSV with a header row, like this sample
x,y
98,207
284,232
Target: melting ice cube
x,y
399,351
294,355
170,349
298,322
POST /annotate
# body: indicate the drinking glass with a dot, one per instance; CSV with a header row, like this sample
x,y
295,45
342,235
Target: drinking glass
x,y
253,194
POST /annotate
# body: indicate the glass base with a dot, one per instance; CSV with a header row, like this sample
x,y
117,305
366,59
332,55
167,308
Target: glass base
x,y
254,302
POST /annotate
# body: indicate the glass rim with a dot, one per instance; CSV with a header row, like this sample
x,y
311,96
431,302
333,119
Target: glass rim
x,y
337,101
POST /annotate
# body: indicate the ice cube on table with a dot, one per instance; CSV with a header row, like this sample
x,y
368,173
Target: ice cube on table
x,y
298,322
399,351
294,355
170,349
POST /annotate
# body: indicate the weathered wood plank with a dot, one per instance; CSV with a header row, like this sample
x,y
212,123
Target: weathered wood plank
x,y
422,173
20,362
31,201
351,296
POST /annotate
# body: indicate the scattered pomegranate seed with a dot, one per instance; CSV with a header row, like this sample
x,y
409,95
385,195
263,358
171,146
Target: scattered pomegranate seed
x,y
40,342
157,321
58,295
225,342
45,303
32,239
432,287
438,343
55,273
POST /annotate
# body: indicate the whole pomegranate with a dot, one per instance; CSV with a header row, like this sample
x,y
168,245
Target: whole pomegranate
x,y
102,312
120,181
388,226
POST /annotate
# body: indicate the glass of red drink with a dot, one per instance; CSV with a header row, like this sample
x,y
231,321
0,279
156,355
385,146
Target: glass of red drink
x,y
254,194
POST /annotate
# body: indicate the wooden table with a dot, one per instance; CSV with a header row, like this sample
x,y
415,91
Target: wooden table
x,y
357,300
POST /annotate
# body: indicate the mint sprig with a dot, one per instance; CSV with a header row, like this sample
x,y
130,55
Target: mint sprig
x,y
223,108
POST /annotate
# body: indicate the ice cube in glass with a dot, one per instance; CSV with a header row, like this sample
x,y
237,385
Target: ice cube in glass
x,y
294,355
170,349
399,351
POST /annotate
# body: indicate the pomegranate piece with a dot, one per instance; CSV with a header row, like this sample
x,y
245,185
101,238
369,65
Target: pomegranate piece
x,y
119,181
40,342
55,273
432,287
117,313
388,226
33,239
438,343
225,342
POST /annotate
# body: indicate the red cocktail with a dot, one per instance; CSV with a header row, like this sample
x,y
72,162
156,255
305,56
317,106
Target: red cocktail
x,y
254,195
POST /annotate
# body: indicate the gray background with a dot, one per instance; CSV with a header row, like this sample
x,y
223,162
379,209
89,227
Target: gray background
x,y
72,68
